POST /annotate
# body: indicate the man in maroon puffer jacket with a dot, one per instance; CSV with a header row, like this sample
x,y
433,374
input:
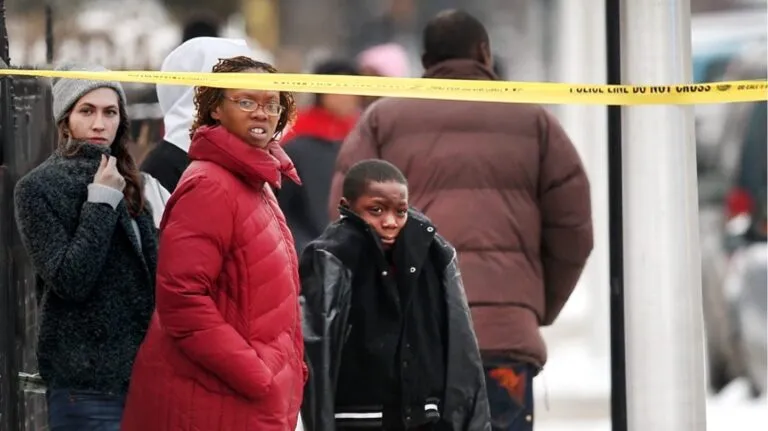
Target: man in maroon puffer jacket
x,y
506,187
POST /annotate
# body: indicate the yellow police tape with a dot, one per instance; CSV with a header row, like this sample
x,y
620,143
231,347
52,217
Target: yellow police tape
x,y
443,89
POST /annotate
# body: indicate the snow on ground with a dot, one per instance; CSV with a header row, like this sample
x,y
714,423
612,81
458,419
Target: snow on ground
x,y
573,394
573,391
730,411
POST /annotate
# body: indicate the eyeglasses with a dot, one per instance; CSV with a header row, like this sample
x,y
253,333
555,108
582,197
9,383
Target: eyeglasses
x,y
248,105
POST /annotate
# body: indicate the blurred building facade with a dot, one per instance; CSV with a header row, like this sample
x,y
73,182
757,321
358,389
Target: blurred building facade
x,y
138,34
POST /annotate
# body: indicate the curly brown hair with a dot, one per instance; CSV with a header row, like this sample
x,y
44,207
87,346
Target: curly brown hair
x,y
208,98
132,193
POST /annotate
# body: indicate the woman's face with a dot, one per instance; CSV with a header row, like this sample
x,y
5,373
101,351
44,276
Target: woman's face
x,y
95,117
251,115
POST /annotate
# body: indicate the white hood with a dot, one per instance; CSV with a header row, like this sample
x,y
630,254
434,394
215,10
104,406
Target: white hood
x,y
195,55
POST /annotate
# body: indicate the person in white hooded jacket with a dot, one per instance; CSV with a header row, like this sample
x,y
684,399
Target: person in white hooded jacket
x,y
168,160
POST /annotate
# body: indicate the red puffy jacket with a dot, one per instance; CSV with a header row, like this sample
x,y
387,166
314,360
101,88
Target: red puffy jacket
x,y
224,350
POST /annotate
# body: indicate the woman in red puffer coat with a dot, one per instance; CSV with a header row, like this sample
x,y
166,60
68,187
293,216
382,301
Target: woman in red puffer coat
x,y
224,351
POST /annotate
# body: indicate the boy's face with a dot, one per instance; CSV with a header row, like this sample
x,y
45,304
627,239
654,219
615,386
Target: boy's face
x,y
384,206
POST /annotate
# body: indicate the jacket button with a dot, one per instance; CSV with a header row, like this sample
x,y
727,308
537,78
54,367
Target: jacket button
x,y
384,273
413,269
430,229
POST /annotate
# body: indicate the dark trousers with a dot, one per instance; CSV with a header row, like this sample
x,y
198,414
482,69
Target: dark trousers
x,y
510,394
74,410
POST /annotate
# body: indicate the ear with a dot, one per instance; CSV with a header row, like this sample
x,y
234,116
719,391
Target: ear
x,y
485,55
216,114
344,203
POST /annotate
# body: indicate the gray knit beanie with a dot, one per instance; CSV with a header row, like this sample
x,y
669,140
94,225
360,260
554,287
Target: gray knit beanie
x,y
66,92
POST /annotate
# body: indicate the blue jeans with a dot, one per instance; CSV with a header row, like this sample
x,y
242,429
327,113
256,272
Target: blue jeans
x,y
510,394
76,410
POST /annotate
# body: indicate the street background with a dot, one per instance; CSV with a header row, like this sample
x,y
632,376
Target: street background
x,y
534,40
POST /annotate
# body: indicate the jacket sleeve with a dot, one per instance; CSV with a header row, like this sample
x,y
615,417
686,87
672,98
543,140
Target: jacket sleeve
x,y
466,399
360,144
196,234
325,300
69,263
564,200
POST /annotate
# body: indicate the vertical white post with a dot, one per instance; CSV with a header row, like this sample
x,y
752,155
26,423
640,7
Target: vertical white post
x,y
581,59
664,320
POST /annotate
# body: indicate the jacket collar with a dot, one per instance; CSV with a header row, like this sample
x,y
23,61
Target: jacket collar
x,y
348,216
217,145
80,168
460,69
414,239
87,150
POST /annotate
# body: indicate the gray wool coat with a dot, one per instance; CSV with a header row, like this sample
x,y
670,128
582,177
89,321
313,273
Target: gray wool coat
x,y
95,276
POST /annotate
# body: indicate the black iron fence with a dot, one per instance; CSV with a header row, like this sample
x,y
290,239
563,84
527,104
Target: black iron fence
x,y
26,139
27,132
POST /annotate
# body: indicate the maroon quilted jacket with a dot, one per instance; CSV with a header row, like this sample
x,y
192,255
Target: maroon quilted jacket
x,y
505,186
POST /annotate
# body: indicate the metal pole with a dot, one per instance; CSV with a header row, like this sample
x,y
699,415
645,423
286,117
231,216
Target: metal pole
x,y
613,29
9,406
4,49
664,318
49,48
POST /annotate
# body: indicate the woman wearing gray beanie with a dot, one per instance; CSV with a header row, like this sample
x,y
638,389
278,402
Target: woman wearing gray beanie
x,y
91,238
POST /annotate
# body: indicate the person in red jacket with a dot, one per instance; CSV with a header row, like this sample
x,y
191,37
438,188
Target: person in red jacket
x,y
313,144
225,350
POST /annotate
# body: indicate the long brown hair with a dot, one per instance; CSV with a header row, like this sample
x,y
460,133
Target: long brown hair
x,y
208,98
134,197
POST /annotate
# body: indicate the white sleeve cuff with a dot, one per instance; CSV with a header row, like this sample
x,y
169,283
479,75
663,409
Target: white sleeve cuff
x,y
98,193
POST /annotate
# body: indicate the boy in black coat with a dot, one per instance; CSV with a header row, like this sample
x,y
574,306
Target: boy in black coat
x,y
388,334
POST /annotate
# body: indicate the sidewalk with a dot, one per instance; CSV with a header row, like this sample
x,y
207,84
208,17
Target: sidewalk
x,y
573,391
732,415
576,388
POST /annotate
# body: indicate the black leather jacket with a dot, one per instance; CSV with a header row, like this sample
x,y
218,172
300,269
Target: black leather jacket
x,y
326,278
